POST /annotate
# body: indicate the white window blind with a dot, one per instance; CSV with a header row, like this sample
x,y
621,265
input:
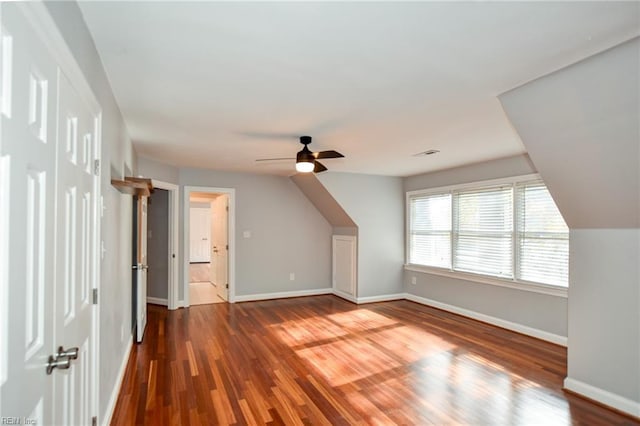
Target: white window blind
x,y
483,231
430,230
512,230
543,237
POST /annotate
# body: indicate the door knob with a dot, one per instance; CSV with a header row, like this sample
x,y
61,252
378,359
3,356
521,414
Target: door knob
x,y
71,353
62,363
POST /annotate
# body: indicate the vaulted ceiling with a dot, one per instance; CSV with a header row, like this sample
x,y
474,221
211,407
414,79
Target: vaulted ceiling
x,y
220,84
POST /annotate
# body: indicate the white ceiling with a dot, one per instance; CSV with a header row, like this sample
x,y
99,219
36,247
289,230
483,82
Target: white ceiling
x,y
218,85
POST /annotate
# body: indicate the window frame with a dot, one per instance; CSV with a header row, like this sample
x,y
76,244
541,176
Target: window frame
x,y
472,276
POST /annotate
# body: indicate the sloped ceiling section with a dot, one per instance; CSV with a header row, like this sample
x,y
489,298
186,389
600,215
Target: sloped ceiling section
x,y
581,128
323,200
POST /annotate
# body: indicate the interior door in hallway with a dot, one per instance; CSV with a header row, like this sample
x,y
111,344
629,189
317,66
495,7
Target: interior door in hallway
x,y
141,267
220,266
200,234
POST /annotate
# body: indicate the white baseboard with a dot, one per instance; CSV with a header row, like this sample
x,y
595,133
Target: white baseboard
x,y
157,301
605,397
523,329
345,296
282,295
382,298
116,387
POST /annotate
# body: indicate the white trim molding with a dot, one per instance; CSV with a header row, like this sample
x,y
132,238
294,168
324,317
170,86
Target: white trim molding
x,y
157,301
602,396
282,295
381,298
111,406
346,296
498,322
519,328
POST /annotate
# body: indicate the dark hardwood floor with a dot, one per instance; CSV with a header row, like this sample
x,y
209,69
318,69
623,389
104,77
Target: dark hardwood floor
x,y
324,361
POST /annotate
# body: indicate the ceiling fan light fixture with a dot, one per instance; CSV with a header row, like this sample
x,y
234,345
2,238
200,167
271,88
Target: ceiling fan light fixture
x,y
305,161
304,167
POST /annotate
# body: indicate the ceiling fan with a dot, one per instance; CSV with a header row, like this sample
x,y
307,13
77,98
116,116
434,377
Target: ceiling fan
x,y
306,160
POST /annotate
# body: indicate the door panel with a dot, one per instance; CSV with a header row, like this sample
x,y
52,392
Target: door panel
x,y
48,229
28,153
142,268
75,249
344,264
199,233
221,245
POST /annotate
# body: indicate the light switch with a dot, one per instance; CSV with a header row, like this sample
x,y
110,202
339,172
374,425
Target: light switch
x,y
246,234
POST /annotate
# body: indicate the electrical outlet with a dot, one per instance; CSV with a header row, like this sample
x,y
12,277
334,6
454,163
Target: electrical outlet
x,y
292,276
413,280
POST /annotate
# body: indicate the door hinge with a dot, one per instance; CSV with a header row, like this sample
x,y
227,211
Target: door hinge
x,y
95,296
94,421
227,246
227,285
227,208
96,167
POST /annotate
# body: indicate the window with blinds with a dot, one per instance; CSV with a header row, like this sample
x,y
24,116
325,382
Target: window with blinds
x,y
483,231
512,231
430,230
542,237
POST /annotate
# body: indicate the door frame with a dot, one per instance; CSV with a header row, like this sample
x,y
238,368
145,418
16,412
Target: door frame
x,y
173,249
231,230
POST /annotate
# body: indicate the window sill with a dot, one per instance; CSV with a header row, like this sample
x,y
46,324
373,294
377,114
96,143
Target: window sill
x,y
518,285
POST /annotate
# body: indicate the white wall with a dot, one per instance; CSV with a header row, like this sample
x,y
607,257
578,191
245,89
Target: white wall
x,y
486,170
604,311
541,312
156,170
117,155
581,127
375,205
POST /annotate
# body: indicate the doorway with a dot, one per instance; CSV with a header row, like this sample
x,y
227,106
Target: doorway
x,y
162,237
208,264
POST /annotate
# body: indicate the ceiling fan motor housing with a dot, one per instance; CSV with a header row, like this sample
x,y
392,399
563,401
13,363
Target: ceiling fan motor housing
x,y
305,156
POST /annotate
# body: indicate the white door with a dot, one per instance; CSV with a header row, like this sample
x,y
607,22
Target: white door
x,y
48,230
76,189
199,233
221,245
142,268
29,92
344,264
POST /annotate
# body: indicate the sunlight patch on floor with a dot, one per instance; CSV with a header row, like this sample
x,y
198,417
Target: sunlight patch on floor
x,y
307,330
360,320
335,361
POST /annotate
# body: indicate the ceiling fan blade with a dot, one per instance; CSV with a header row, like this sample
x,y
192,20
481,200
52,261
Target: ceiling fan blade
x,y
319,167
275,159
327,154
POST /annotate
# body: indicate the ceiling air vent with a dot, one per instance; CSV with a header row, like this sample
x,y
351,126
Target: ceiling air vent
x,y
428,152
